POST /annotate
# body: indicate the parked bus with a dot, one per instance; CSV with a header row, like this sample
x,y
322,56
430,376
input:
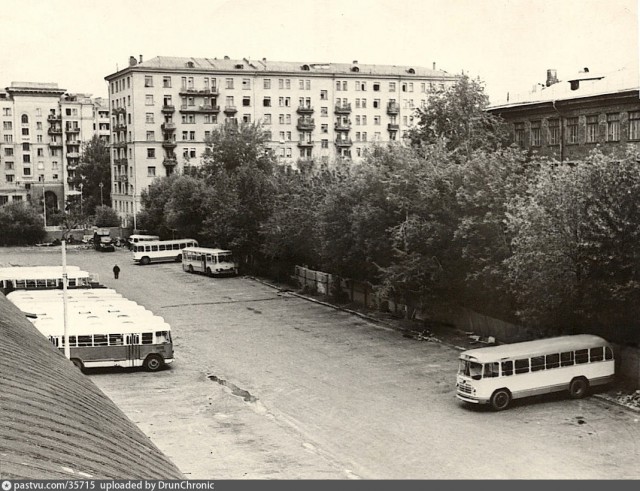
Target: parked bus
x,y
136,238
42,278
161,250
105,341
496,375
212,262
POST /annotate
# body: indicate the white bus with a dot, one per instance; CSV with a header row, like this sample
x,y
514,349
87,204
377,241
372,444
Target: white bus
x,y
496,375
136,238
43,278
161,250
212,262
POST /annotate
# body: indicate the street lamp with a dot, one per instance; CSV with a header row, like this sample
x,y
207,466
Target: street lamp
x,y
81,186
101,186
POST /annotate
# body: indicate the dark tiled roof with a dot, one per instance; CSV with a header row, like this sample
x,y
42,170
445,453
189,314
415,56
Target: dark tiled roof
x,y
55,423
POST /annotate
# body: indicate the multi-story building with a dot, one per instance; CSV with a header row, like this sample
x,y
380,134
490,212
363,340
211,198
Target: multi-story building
x,y
566,120
164,109
41,135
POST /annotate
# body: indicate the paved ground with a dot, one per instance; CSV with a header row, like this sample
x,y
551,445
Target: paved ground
x,y
269,385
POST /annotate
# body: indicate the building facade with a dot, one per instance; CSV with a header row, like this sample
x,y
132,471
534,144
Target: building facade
x,y
41,136
567,120
164,109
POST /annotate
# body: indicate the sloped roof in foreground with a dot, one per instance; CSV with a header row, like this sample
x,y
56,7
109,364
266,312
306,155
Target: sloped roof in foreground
x,y
55,423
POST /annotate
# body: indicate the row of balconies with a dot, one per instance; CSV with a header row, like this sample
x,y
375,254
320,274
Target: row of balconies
x,y
202,92
203,108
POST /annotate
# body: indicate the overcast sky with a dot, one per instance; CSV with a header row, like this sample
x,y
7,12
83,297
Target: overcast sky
x,y
509,44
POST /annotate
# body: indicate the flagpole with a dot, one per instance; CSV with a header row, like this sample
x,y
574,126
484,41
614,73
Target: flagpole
x,y
67,349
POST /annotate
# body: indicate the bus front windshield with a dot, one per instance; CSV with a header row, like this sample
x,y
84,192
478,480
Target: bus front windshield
x,y
470,369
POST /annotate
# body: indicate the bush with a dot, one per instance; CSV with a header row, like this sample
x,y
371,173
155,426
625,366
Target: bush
x,y
20,225
107,217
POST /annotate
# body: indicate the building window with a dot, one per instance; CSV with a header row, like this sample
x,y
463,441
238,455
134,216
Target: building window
x,y
266,102
246,101
39,125
148,100
613,127
8,152
324,111
392,86
324,143
246,83
6,111
166,82
192,135
376,103
572,130
554,131
151,153
151,136
324,128
535,133
26,171
40,152
25,119
376,120
634,125
324,95
266,83
149,117
7,125
376,86
25,131
518,130
592,128
267,119
281,118
151,171
228,83
148,81
246,118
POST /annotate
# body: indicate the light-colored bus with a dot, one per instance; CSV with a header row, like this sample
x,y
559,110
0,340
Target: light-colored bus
x,y
212,262
136,238
161,250
106,341
496,375
43,278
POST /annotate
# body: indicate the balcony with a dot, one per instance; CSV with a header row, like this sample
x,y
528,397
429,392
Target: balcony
x,y
168,126
305,124
119,145
230,109
122,178
343,125
55,131
72,129
169,144
185,108
344,142
198,92
168,108
119,110
393,108
54,118
343,109
120,161
119,127
305,144
55,144
73,142
304,110
73,155
393,127
208,108
170,162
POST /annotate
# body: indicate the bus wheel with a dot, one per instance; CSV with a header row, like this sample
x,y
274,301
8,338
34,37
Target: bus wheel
x,y
145,260
500,399
578,388
190,268
153,363
77,363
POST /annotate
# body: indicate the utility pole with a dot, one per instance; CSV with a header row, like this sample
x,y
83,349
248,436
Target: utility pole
x,y
44,202
101,186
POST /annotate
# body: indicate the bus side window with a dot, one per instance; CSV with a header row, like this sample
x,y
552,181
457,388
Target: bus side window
x,y
72,340
522,366
491,370
582,356
147,338
85,341
566,359
608,354
183,245
537,363
154,248
161,247
552,361
100,340
115,339
176,247
507,368
596,354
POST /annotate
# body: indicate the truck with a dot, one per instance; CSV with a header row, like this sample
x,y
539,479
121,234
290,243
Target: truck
x,y
102,240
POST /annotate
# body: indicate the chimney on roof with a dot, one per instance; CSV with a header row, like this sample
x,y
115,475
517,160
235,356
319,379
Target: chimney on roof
x,y
585,70
140,58
355,62
264,59
132,61
434,65
226,57
552,77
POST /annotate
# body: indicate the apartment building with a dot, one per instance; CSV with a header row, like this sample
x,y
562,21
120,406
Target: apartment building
x,y
41,135
567,119
164,109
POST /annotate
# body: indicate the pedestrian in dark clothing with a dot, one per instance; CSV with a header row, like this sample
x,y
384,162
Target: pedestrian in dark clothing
x,y
116,271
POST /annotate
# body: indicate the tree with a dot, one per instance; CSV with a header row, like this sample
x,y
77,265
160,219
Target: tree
x,y
94,169
21,224
106,217
458,115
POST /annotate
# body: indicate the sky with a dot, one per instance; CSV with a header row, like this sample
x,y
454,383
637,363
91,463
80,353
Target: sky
x,y
508,44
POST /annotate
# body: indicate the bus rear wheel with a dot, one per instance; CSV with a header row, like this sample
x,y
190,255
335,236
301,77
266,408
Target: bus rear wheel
x,y
578,388
145,260
500,399
153,363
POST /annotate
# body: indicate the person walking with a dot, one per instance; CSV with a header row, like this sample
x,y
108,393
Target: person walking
x,y
116,271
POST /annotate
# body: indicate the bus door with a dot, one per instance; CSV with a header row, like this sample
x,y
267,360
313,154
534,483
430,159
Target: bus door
x,y
133,348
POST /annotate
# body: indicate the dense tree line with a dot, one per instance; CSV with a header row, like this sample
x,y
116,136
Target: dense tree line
x,y
455,216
